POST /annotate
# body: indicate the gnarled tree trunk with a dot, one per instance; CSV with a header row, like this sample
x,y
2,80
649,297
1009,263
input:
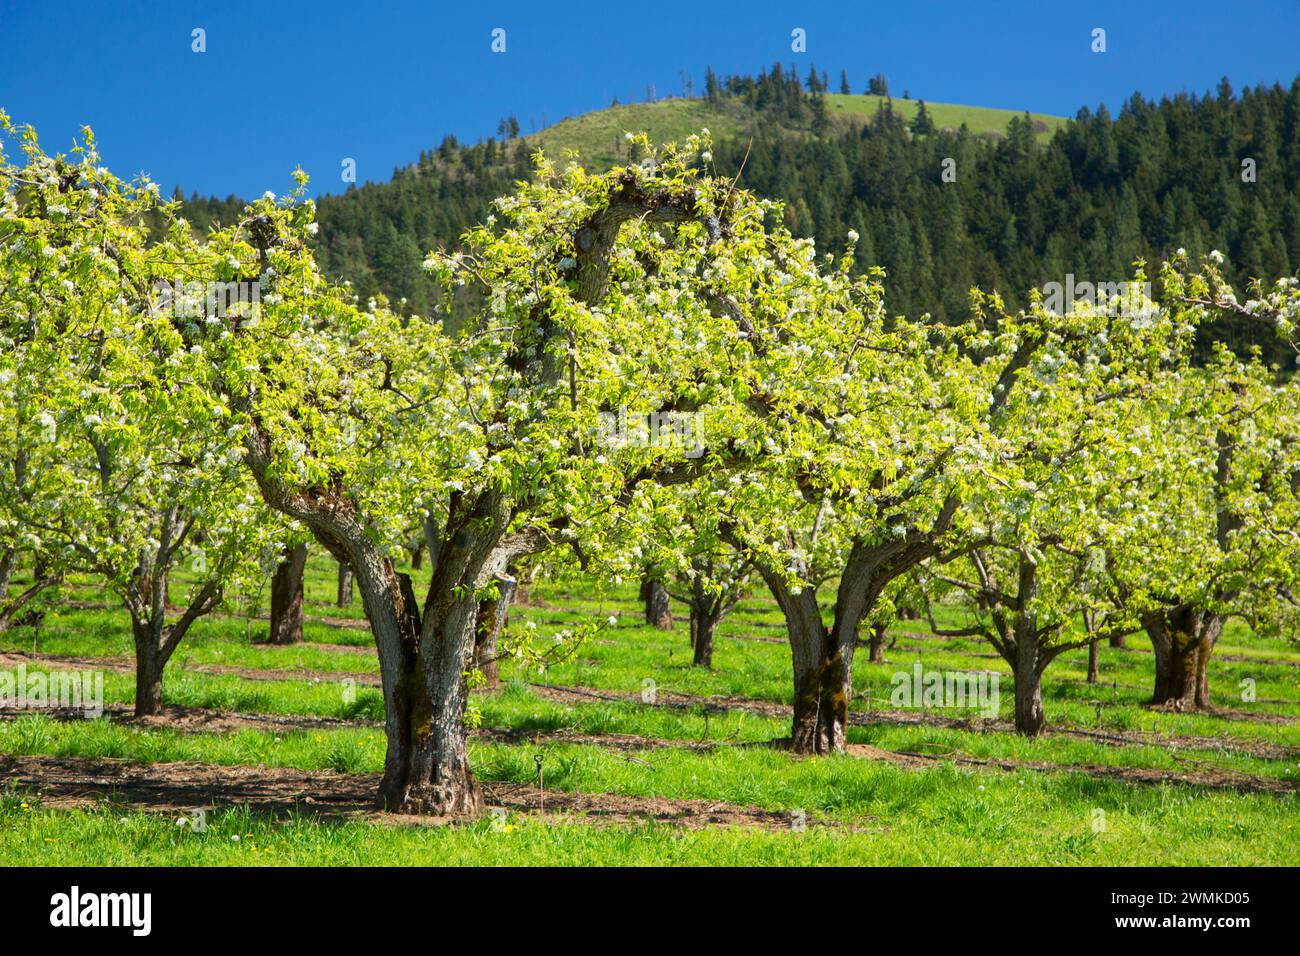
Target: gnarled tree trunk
x,y
1183,640
287,597
822,657
814,663
422,664
156,640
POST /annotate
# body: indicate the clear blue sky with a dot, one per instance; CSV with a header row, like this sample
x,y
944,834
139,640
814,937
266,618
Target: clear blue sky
x,y
283,84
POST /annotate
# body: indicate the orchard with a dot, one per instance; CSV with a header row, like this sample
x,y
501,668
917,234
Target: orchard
x,y
1042,480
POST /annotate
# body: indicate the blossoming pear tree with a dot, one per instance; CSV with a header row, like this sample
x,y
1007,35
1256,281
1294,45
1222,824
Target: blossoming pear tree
x,y
651,285
842,486
1223,483
133,470
708,575
897,442
1064,456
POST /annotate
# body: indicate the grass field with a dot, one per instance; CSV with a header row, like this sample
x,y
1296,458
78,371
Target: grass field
x,y
280,748
978,119
598,136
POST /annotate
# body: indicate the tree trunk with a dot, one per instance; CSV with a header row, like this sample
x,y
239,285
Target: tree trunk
x,y
703,627
876,643
1094,653
1027,671
1183,640
148,669
424,650
436,775
658,609
422,666
1117,640
817,669
822,657
492,619
8,561
286,597
343,597
804,729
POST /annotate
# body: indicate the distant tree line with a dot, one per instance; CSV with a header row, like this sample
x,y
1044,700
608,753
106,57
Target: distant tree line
x,y
1217,171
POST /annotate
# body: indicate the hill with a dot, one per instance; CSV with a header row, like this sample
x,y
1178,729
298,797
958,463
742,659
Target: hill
x,y
1034,198
598,136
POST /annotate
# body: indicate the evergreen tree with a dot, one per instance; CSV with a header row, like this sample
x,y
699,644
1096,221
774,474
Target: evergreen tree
x,y
922,124
1024,210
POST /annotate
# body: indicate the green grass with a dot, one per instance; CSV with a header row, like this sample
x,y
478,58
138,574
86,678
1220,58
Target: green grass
x,y
939,813
978,119
949,822
598,136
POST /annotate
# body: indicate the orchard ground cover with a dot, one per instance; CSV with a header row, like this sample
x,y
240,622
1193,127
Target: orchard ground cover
x,y
645,758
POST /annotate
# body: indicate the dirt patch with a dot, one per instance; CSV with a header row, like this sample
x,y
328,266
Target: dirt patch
x,y
681,701
339,648
1254,748
620,742
177,787
1198,774
123,665
10,660
199,720
665,698
350,623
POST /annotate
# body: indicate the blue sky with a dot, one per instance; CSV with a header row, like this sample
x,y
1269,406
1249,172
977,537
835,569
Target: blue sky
x,y
283,84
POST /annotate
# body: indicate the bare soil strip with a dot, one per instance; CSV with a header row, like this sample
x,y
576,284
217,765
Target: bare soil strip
x,y
681,701
125,665
201,720
175,789
198,720
1219,656
766,708
1199,773
64,782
